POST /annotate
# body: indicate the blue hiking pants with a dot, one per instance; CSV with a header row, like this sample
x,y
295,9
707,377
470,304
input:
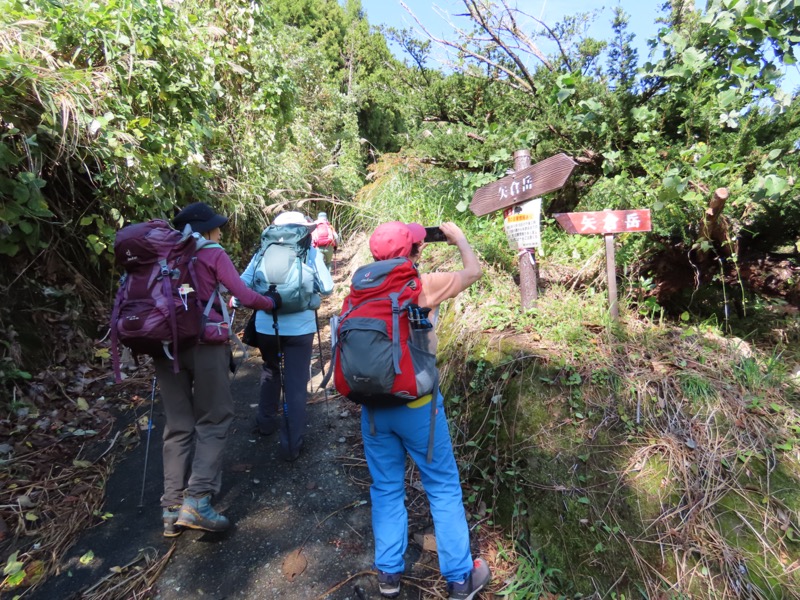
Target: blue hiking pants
x,y
400,430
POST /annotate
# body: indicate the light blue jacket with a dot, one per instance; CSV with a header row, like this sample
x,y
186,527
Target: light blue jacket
x,y
299,323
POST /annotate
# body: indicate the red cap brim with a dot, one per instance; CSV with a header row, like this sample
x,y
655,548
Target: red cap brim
x,y
417,232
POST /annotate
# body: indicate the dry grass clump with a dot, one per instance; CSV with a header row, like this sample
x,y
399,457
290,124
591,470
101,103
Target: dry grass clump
x,y
660,461
135,580
713,434
52,509
63,96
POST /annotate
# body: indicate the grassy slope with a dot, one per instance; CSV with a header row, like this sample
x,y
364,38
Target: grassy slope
x,y
643,458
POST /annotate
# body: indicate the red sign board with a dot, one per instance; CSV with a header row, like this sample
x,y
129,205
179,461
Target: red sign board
x,y
543,177
605,221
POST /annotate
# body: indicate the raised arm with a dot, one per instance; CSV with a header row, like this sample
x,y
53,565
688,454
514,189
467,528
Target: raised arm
x,y
472,270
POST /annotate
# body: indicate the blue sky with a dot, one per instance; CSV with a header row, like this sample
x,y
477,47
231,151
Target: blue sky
x,y
642,22
642,15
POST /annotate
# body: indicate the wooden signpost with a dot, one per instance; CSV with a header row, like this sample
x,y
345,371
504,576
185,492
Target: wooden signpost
x,y
526,182
607,222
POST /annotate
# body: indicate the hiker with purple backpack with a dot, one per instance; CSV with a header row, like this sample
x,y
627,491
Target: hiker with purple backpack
x,y
197,398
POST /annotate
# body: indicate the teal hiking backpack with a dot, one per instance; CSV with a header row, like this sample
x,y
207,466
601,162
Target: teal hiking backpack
x,y
281,262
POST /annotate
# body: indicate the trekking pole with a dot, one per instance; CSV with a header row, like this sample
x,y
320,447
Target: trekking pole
x,y
244,350
282,379
147,444
322,368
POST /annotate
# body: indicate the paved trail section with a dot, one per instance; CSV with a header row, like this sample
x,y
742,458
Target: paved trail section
x,y
300,530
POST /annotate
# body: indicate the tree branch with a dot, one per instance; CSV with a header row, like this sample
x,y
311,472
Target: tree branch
x,y
521,82
522,36
480,19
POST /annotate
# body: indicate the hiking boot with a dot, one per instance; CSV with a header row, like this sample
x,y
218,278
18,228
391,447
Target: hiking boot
x,y
389,584
284,452
478,578
170,516
197,513
257,430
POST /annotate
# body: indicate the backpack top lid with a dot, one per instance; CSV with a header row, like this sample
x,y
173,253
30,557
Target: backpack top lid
x,y
290,235
142,244
383,277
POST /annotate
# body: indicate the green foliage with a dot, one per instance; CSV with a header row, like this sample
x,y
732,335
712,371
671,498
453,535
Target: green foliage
x,y
13,571
125,111
706,113
622,56
359,60
533,579
96,103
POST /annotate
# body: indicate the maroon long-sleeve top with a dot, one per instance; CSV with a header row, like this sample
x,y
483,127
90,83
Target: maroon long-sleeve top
x,y
214,266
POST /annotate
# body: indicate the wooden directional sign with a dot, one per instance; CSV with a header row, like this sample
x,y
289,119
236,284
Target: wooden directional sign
x,y
605,221
530,182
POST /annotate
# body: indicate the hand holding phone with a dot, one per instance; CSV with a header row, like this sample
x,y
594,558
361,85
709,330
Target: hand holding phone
x,y
434,234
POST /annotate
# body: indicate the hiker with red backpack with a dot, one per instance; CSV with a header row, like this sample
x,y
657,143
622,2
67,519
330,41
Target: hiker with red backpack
x,y
191,367
324,238
384,358
287,262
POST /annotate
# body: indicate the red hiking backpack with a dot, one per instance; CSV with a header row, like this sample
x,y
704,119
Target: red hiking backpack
x,y
382,346
323,235
156,310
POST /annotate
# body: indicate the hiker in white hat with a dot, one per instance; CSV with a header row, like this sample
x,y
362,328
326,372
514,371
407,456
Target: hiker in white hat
x,y
285,336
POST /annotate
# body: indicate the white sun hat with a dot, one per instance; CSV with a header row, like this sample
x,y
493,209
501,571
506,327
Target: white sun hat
x,y
292,217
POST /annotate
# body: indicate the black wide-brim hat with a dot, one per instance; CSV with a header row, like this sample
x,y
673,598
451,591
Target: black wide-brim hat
x,y
200,216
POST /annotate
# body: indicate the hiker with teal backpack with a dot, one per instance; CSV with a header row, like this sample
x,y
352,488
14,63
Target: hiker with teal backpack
x,y
287,263
384,358
194,383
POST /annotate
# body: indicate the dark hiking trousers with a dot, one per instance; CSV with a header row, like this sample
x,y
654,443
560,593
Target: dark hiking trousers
x,y
297,358
199,409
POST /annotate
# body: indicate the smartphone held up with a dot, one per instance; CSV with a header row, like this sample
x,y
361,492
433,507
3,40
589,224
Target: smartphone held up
x,y
434,234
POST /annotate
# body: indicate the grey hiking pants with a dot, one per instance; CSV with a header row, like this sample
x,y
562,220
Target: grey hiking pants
x,y
199,409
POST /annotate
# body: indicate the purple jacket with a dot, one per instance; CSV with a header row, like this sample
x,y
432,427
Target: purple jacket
x,y
214,266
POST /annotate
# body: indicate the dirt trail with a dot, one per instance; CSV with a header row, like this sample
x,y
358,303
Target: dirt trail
x,y
301,530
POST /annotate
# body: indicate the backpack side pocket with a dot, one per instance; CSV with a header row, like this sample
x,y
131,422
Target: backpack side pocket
x,y
422,348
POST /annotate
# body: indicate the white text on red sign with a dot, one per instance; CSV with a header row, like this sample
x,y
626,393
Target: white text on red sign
x,y
605,221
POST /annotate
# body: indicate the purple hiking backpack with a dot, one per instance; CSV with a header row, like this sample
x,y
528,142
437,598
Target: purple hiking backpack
x,y
156,310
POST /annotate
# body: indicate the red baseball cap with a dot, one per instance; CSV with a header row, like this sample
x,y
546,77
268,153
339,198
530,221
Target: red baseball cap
x,y
394,239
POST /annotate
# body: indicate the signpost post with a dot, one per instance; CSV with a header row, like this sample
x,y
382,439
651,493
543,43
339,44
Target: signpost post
x,y
526,182
607,222
528,277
